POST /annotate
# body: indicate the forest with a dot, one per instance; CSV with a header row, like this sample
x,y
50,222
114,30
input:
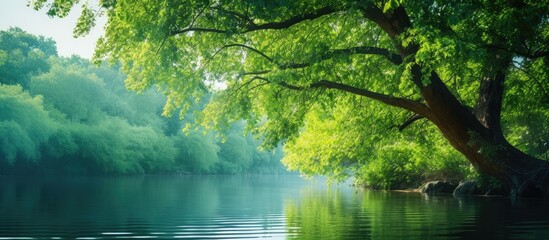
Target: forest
x,y
69,116
391,93
63,115
350,86
281,119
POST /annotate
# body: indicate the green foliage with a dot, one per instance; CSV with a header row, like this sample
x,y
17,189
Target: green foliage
x,y
24,125
110,146
344,144
23,55
79,95
266,62
85,22
530,132
241,153
197,153
236,155
78,118
395,167
117,147
404,165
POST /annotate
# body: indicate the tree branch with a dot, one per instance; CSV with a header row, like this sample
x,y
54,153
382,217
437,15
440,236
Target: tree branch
x,y
393,57
536,80
242,46
416,107
293,20
489,102
244,17
393,23
407,104
527,53
259,72
247,47
251,26
409,121
197,29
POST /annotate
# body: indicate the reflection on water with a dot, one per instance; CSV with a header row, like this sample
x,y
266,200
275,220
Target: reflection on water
x,y
339,214
236,207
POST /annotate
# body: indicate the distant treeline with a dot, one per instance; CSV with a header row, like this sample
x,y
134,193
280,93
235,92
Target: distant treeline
x,y
66,115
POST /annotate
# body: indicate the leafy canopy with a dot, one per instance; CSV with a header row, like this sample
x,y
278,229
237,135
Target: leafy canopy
x,y
278,64
23,55
77,118
24,125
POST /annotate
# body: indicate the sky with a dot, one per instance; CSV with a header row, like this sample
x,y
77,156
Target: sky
x,y
15,13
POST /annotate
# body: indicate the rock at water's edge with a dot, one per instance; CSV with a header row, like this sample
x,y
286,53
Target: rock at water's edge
x,y
437,187
466,188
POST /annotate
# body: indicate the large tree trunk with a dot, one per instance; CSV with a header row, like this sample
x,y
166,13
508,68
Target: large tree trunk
x,y
519,173
478,136
476,133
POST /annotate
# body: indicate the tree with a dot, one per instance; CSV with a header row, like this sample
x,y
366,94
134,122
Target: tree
x,y
73,91
446,62
197,153
23,55
235,153
24,126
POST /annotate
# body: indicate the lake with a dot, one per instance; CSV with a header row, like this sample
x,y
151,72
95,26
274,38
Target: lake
x,y
250,207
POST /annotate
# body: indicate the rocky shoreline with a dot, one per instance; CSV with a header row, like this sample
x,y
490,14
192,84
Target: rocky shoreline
x,y
463,189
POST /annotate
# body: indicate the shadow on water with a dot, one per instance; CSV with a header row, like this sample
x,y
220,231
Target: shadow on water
x,y
500,218
230,207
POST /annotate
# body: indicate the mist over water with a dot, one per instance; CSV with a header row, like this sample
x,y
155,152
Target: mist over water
x,y
239,207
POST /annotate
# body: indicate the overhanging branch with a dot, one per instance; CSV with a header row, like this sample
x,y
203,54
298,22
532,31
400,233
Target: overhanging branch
x,y
251,26
393,57
390,100
537,81
198,29
367,50
394,23
246,47
526,53
237,15
404,103
293,20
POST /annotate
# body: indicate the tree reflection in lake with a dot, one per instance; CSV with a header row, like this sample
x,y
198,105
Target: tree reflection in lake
x,y
339,214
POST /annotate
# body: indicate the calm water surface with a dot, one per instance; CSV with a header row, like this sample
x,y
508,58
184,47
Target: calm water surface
x,y
243,207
